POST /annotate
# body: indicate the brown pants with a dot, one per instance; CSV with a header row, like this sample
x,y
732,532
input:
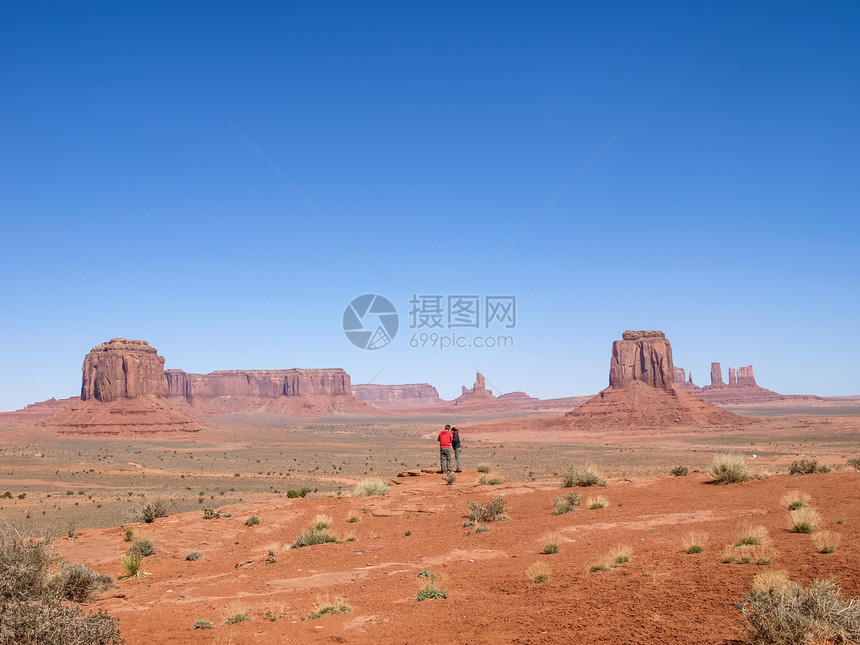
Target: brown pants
x,y
446,456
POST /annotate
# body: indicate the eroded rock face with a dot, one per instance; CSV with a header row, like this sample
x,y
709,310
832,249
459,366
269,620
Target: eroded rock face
x,y
716,375
123,369
261,384
398,396
642,356
745,377
680,375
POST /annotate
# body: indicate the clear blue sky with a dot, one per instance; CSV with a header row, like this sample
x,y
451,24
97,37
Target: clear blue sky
x,y
429,134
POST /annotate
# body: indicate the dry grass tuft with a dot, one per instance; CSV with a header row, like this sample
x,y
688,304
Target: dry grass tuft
x,y
595,503
326,605
777,580
236,612
591,475
550,542
749,534
616,556
804,520
566,503
370,487
729,469
538,572
695,541
795,499
826,541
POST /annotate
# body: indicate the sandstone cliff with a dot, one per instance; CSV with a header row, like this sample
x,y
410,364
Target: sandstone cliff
x,y
122,369
643,356
414,395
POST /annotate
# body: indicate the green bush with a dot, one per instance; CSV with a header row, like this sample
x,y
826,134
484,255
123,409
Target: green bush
x,y
807,467
679,471
431,591
484,468
77,582
203,624
854,462
252,521
144,546
489,512
566,503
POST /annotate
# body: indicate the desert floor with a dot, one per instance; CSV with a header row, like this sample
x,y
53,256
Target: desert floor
x,y
90,488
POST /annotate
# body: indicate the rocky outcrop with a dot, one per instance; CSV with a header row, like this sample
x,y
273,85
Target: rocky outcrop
x,y
740,389
414,395
123,392
733,377
716,375
642,356
291,392
680,375
122,369
477,395
745,377
641,392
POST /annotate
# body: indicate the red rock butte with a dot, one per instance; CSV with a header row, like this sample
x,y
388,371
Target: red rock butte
x,y
642,393
123,392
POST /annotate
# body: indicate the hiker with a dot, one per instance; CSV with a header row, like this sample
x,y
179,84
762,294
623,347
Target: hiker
x,y
455,444
446,454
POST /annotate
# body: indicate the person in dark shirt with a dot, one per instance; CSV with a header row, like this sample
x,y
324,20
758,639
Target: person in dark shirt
x,y
455,444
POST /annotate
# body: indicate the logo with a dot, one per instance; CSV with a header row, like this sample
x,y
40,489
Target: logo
x,y
370,321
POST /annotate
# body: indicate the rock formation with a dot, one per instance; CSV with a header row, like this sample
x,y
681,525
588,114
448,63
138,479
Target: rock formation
x,y
680,375
733,377
641,392
477,395
643,356
123,391
745,377
740,389
414,395
293,392
716,375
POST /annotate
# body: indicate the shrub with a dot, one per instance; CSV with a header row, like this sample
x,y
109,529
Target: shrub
x,y
129,535
151,510
615,557
210,514
370,487
292,493
491,479
203,624
235,619
317,533
567,503
484,468
729,469
50,622
550,543
538,572
449,478
133,566
489,512
481,528
143,546
431,592
764,582
77,582
795,614
22,564
807,467
748,535
679,471
804,520
795,499
695,541
595,503
325,606
588,476
854,462
354,516
425,574
252,521
826,541
194,556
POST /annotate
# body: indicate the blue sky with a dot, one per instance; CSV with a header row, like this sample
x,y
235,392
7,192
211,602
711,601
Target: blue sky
x,y
724,213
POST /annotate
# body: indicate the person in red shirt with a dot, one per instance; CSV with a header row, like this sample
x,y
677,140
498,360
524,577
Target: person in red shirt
x,y
446,453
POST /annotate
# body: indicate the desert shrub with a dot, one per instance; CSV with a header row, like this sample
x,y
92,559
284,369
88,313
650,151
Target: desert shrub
x,y
826,541
431,592
22,565
203,624
615,557
695,541
132,564
679,471
323,606
129,535
370,487
425,574
748,534
292,493
50,622
595,503
566,503
729,469
252,521
481,528
484,468
449,478
353,516
143,546
795,499
151,510
804,520
317,533
550,543
807,467
538,572
210,513
193,556
491,479
489,512
77,582
794,614
764,582
590,475
235,619
854,462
